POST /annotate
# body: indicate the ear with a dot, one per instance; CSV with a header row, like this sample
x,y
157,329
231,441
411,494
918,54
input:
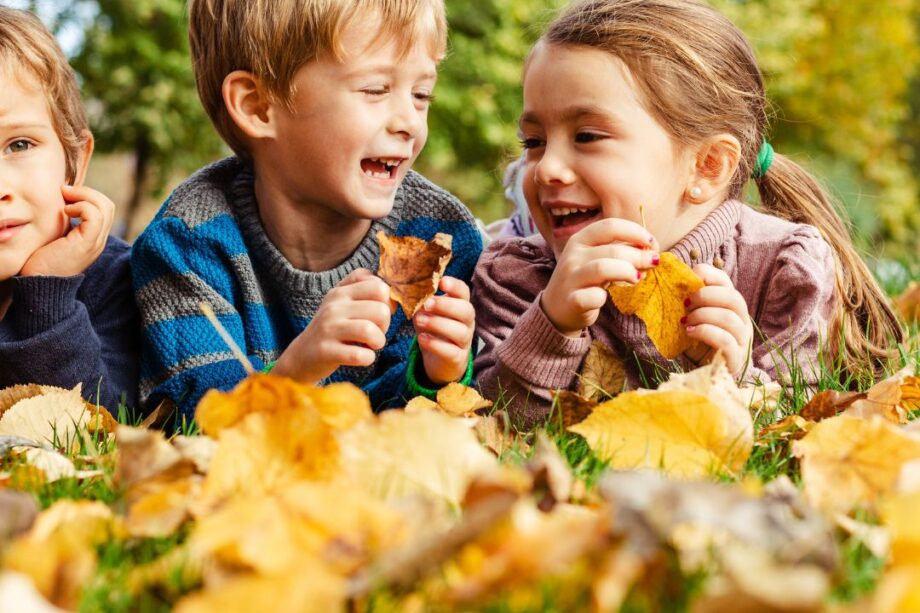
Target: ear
x,y
86,154
715,163
249,105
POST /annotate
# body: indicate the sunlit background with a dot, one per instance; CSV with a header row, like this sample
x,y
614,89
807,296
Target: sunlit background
x,y
841,74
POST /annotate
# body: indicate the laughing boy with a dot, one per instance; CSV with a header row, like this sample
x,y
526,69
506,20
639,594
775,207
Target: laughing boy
x,y
325,105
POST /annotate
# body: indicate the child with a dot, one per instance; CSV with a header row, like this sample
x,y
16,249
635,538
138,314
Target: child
x,y
658,106
67,314
325,105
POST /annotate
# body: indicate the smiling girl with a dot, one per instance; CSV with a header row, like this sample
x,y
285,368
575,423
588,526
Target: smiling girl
x,y
66,310
659,105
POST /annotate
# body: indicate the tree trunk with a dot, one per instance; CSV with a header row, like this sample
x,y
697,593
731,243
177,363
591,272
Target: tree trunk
x,y
142,153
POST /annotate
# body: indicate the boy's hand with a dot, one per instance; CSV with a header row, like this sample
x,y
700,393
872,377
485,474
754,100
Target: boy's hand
x,y
74,252
608,251
445,326
717,316
349,326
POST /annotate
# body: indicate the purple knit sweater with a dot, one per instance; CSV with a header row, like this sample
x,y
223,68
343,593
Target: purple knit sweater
x,y
785,272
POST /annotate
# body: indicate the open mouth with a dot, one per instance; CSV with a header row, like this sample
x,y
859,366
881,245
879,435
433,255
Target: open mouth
x,y
571,217
381,168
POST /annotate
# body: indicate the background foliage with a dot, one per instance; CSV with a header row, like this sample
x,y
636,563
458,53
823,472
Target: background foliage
x,y
842,76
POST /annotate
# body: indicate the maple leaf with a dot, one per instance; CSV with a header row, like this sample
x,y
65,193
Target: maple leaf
x,y
681,433
658,300
425,453
413,267
848,461
603,373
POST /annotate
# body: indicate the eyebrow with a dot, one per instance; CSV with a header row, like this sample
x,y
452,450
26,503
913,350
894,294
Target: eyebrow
x,y
386,69
22,126
584,111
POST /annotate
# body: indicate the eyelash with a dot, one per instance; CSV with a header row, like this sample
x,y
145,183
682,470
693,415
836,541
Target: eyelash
x,y
531,143
420,96
588,137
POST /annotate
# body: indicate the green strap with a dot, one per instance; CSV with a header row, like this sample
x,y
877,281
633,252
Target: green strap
x,y
269,366
764,160
416,388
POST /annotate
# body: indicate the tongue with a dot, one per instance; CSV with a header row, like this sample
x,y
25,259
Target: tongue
x,y
574,219
372,166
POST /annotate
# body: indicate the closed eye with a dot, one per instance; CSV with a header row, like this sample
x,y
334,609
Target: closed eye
x,y
588,137
531,143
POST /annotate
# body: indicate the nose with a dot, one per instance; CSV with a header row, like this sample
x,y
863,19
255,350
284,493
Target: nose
x,y
553,167
406,119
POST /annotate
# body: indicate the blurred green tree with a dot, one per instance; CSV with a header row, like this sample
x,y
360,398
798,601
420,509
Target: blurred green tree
x,y
140,91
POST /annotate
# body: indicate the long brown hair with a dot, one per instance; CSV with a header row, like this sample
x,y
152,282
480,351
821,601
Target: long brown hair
x,y
699,76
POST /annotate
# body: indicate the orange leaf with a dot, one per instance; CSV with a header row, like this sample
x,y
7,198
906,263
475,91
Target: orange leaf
x,y
908,303
658,300
413,267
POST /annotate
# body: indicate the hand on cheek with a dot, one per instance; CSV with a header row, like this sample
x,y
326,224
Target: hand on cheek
x,y
717,317
445,327
74,252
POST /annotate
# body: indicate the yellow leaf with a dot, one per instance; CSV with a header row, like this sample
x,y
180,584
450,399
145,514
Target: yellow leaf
x,y
401,453
342,405
159,508
658,300
908,303
681,433
308,589
419,404
413,267
455,399
890,398
848,461
52,417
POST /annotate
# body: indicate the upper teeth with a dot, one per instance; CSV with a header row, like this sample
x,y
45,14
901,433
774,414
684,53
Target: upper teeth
x,y
564,211
389,163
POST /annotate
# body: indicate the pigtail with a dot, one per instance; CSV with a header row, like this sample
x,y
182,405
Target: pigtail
x,y
863,319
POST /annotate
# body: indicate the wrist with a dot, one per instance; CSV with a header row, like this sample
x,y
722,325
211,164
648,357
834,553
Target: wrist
x,y
556,321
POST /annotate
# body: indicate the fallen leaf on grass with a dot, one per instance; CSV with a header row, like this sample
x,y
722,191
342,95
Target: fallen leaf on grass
x,y
658,300
829,403
898,589
848,461
603,373
425,453
18,511
790,427
413,267
680,433
157,508
552,477
18,594
11,395
573,407
892,398
52,418
456,399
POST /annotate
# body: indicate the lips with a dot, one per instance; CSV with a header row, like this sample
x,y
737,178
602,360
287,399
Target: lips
x,y
10,228
568,218
384,168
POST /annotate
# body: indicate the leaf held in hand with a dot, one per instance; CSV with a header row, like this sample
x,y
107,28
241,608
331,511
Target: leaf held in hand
x,y
413,267
658,300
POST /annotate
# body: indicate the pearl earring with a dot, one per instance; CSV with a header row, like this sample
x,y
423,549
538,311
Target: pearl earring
x,y
696,192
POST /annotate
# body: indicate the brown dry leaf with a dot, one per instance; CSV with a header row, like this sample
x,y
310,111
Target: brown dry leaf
x,y
603,373
459,400
267,451
52,417
143,454
829,403
59,552
790,427
891,398
413,267
400,454
552,478
573,407
681,433
310,588
157,508
848,461
11,395
908,303
658,300
18,511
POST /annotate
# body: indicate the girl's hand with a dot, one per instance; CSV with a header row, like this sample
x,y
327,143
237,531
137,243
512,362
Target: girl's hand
x,y
445,327
348,328
608,251
74,252
717,316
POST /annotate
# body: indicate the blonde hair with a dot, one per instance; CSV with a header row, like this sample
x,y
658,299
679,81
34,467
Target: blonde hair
x,y
698,76
273,38
28,49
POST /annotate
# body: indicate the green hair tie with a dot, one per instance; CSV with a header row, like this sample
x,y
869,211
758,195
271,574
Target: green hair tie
x,y
764,160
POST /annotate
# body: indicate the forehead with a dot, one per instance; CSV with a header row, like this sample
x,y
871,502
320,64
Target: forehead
x,y
366,32
24,98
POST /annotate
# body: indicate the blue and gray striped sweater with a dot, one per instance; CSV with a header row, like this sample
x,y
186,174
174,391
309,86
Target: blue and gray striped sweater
x,y
207,244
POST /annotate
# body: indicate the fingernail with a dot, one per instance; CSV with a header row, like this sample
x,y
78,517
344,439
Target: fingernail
x,y
638,276
651,239
429,304
690,328
421,320
656,259
686,302
683,320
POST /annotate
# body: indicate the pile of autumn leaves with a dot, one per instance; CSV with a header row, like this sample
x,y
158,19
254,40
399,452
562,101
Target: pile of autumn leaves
x,y
298,498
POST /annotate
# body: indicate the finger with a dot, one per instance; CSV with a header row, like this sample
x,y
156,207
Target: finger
x,y
724,319
449,330
602,272
439,348
614,230
368,288
720,297
369,310
589,298
455,288
358,274
451,308
360,331
719,340
349,355
640,258
712,275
